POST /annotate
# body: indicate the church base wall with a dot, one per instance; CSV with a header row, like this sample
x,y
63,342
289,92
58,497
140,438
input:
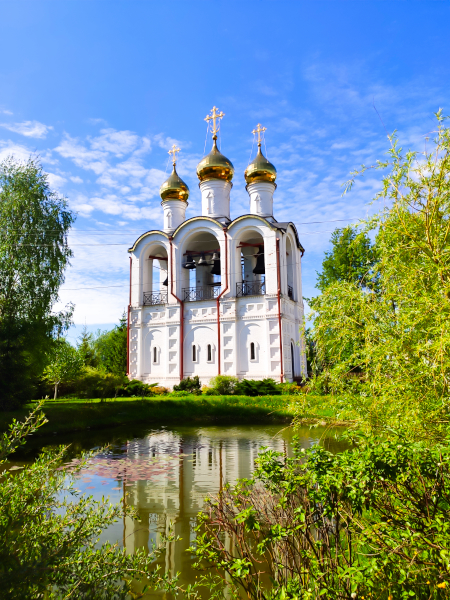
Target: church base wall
x,y
249,340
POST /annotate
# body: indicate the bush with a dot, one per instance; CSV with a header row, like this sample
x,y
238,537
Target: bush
x,y
181,393
222,385
188,384
253,387
135,387
93,383
292,389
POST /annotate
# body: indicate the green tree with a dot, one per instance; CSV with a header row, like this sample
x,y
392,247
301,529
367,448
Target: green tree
x,y
353,258
49,532
111,347
399,338
65,365
34,222
86,348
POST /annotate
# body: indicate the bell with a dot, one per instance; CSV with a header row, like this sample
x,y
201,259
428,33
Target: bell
x,y
216,264
189,264
165,282
202,262
260,269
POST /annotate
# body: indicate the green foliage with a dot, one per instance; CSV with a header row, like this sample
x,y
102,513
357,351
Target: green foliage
x,y
135,387
222,385
95,383
49,533
353,258
387,354
254,387
111,348
188,384
373,521
34,222
86,348
65,365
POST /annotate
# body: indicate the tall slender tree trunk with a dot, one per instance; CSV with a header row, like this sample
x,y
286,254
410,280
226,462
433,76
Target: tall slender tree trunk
x,y
56,391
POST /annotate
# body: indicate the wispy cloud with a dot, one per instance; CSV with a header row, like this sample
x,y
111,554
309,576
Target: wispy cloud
x,y
9,148
32,129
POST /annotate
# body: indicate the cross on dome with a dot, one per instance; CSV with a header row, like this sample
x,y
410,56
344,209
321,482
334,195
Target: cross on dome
x,y
174,151
215,117
258,131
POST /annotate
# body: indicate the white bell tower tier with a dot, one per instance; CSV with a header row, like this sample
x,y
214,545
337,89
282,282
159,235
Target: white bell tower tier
x,y
261,198
216,198
260,176
174,193
174,214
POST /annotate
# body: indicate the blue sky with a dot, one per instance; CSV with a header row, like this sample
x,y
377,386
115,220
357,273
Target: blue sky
x,y
101,89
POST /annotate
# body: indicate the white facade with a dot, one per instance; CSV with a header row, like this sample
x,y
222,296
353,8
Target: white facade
x,y
185,322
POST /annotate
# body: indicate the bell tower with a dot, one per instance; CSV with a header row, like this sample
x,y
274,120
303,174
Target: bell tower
x,y
174,193
215,173
260,176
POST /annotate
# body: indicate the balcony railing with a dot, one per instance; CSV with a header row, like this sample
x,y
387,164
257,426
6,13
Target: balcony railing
x,y
155,298
251,288
208,292
290,292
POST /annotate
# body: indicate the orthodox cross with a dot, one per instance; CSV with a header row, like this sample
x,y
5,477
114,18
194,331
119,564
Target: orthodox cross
x,y
174,150
215,118
258,131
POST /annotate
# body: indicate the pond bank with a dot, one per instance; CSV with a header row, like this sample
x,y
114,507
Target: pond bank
x,y
75,414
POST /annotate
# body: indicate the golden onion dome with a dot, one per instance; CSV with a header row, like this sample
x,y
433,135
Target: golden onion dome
x,y
215,166
260,169
174,188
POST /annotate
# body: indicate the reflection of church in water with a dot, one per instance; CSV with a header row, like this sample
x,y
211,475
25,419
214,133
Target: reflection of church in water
x,y
213,296
192,467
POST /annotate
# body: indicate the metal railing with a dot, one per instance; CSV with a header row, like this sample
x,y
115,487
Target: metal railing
x,y
155,298
251,288
290,292
208,292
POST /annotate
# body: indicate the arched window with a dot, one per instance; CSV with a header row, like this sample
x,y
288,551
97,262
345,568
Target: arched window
x,y
252,351
194,352
209,359
155,354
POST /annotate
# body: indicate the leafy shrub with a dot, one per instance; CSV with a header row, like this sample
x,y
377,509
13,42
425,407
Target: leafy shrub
x,y
223,385
93,383
135,387
188,384
159,390
253,387
292,389
181,393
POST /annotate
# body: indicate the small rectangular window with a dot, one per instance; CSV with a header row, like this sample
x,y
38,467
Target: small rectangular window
x,y
252,351
194,352
209,353
155,354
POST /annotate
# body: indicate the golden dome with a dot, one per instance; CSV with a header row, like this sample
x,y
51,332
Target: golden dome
x,y
215,166
260,169
174,188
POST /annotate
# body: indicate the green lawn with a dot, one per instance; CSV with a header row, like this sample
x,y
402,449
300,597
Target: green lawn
x,y
75,414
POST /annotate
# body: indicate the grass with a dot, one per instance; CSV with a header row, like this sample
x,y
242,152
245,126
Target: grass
x,y
75,414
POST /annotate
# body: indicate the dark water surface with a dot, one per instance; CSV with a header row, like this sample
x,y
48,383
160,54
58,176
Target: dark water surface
x,y
166,473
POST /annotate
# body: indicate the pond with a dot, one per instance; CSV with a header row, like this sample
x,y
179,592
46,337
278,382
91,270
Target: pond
x,y
166,473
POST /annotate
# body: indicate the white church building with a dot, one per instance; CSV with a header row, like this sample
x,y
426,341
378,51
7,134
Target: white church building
x,y
209,295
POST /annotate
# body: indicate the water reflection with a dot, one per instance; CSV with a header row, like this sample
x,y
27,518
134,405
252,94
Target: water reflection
x,y
167,473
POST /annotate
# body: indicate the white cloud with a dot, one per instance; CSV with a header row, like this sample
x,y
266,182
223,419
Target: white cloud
x,y
94,160
32,129
19,152
76,179
116,142
6,112
56,181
